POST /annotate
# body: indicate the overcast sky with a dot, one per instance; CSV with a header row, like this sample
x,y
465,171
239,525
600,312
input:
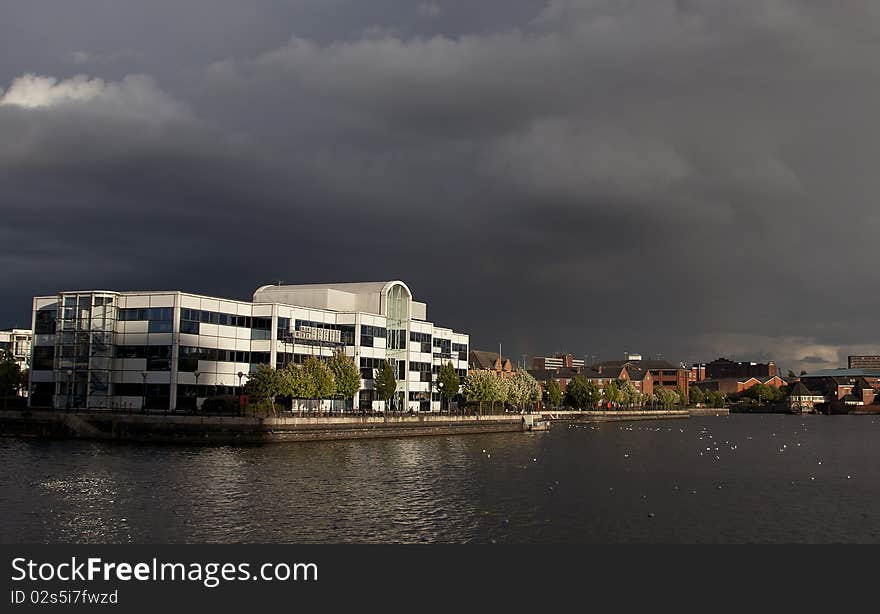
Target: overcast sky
x,y
691,178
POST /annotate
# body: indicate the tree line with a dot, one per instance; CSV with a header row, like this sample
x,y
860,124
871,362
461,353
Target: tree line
x,y
485,386
337,377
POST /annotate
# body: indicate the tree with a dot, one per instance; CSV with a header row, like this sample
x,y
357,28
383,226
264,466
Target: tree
x,y
263,386
612,392
10,375
386,383
629,395
522,389
294,383
320,377
791,373
682,395
554,393
448,382
582,393
346,376
483,385
697,395
715,398
667,397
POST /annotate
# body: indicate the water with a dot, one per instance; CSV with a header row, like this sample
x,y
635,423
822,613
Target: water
x,y
758,478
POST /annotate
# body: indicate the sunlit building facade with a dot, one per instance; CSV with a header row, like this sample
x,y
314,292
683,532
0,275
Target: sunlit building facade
x,y
172,350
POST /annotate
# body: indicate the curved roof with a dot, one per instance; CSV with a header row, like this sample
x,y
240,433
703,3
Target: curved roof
x,y
357,287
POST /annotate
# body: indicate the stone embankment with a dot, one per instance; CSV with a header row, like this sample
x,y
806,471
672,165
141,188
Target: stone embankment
x,y
114,426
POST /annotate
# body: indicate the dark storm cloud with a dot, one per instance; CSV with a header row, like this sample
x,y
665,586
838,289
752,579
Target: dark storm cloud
x,y
689,178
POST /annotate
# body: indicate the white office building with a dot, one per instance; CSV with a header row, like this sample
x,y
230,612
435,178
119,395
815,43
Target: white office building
x,y
172,350
17,341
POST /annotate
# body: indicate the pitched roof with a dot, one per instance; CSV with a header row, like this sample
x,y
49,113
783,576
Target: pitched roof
x,y
799,390
485,360
636,374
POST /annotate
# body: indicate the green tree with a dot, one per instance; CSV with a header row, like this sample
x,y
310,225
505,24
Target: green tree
x,y
483,385
294,383
582,393
629,395
554,393
715,398
386,383
697,395
667,397
263,385
611,392
320,378
346,376
523,389
791,373
448,383
682,395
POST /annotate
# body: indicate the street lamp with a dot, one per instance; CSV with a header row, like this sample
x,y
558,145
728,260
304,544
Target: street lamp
x,y
440,388
69,378
197,374
144,397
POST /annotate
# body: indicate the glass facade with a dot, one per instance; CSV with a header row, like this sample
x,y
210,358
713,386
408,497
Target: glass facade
x,y
83,355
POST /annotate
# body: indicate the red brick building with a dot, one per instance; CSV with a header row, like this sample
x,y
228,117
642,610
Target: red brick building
x,y
663,374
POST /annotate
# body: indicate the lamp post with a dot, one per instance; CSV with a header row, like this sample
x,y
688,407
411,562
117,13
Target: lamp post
x,y
440,388
69,390
197,374
144,396
240,375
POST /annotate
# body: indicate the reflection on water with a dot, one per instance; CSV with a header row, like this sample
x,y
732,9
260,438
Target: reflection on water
x,y
732,479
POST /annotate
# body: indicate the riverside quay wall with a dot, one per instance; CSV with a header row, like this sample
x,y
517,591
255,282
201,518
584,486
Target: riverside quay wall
x,y
170,428
615,416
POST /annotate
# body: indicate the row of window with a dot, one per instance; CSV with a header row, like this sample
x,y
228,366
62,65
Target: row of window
x,y
189,357
224,319
146,313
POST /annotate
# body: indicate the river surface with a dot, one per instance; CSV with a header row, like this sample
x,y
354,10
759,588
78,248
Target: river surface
x,y
740,478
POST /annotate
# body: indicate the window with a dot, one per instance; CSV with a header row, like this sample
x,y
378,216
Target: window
x,y
368,367
159,326
261,323
43,358
45,321
158,358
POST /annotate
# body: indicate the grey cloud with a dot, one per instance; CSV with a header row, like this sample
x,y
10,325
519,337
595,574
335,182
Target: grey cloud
x,y
688,177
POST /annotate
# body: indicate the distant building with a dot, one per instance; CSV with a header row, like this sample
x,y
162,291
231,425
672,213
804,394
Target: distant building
x,y
641,379
803,400
491,361
735,385
557,361
697,373
18,342
864,362
663,374
722,368
836,384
